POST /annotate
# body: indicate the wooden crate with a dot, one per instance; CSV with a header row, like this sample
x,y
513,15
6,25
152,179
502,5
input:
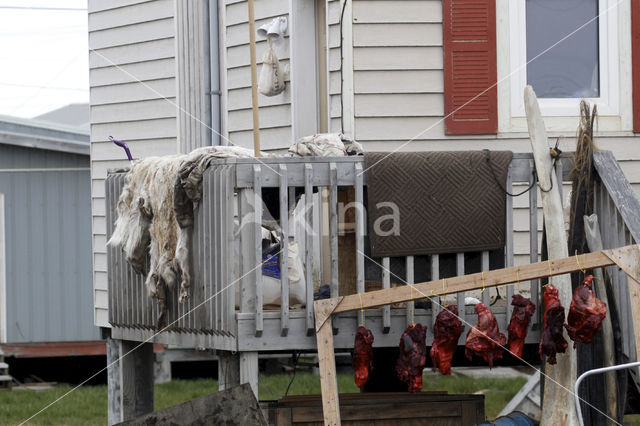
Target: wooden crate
x,y
432,408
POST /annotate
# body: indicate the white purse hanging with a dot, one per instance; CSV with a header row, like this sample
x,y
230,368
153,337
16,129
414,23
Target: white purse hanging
x,y
271,81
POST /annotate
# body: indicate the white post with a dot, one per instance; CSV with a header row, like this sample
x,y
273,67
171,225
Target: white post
x,y
558,403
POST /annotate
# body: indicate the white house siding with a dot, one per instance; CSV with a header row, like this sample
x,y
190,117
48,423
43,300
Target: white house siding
x,y
398,86
133,95
275,111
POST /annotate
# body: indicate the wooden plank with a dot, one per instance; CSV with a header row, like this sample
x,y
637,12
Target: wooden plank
x,y
533,240
257,246
509,237
435,276
386,284
136,378
410,309
560,406
486,295
493,278
249,370
619,189
460,295
284,253
360,226
308,246
333,228
328,377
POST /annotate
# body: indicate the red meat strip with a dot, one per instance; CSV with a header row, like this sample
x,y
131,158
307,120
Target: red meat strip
x,y
484,339
552,340
519,324
413,356
586,313
362,355
447,329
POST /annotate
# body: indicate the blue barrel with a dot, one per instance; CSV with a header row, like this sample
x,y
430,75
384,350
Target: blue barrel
x,y
513,419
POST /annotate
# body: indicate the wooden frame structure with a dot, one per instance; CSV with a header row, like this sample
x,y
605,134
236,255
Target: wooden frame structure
x,y
626,258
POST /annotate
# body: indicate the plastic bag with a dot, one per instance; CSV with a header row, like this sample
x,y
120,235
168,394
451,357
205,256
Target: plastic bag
x,y
271,76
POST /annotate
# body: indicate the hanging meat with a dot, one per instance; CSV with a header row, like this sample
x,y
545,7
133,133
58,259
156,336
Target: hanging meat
x,y
413,356
362,355
484,339
586,313
523,309
446,330
552,340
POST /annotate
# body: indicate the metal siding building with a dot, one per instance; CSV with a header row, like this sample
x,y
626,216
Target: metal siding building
x,y
46,288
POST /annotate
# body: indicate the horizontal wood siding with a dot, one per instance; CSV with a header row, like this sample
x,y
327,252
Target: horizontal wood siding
x,y
275,111
398,69
133,98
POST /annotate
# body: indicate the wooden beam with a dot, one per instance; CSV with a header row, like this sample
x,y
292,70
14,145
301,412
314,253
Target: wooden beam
x,y
494,278
328,378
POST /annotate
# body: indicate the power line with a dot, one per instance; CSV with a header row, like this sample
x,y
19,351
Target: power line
x,y
43,8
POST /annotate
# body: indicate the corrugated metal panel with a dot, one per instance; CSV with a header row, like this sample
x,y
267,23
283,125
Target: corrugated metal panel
x,y
48,246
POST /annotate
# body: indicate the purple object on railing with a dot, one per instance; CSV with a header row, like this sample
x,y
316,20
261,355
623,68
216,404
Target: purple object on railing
x,y
123,146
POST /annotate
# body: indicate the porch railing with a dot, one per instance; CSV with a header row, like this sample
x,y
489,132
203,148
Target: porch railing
x,y
232,191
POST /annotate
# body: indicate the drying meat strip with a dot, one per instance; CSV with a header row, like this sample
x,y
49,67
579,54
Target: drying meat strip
x,y
362,355
485,339
446,330
586,313
519,324
552,340
413,356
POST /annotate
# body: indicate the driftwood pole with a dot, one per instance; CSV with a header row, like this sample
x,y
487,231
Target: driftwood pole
x,y
254,80
558,406
594,241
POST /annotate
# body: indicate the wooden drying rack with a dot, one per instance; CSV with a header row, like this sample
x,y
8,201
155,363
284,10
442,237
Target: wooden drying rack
x,y
626,258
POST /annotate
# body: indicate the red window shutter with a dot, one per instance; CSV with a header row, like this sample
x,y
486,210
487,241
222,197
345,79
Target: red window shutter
x,y
635,49
470,67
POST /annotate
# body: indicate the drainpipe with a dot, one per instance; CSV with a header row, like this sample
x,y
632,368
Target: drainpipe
x,y
212,65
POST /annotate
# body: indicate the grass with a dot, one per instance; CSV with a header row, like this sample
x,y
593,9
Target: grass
x,y
88,405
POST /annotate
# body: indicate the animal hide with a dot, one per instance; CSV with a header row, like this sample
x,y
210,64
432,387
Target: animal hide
x,y
155,217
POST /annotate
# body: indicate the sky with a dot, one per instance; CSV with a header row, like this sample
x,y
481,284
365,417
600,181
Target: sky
x,y
44,62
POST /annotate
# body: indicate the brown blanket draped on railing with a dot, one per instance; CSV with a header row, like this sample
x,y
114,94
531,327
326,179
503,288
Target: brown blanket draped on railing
x,y
448,202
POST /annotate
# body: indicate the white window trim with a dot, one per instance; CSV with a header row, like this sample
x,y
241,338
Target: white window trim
x,y
608,103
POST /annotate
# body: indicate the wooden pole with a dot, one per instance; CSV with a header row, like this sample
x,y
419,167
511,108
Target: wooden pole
x,y
594,241
254,80
558,405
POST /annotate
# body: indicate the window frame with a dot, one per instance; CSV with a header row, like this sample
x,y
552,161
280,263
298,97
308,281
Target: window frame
x,y
608,102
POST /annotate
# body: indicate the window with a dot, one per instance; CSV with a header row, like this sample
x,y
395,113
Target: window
x,y
568,51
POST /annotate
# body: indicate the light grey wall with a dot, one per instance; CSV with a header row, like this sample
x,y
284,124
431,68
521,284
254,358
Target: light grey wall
x,y
48,245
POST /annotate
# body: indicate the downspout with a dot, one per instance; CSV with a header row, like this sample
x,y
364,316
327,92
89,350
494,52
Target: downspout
x,y
212,84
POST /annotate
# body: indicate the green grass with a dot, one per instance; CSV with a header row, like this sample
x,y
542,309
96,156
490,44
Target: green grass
x,y
88,405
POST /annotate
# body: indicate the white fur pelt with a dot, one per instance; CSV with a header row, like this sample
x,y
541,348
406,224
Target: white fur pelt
x,y
155,218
